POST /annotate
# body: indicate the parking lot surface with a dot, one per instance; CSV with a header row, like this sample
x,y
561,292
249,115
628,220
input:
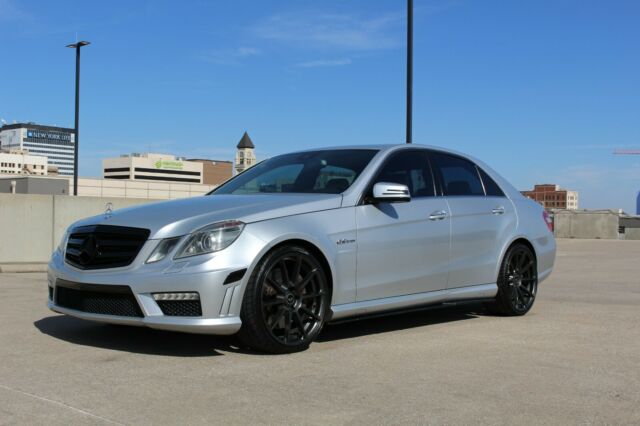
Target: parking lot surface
x,y
574,359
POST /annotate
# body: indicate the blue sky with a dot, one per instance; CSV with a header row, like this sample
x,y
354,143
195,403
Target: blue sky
x,y
542,90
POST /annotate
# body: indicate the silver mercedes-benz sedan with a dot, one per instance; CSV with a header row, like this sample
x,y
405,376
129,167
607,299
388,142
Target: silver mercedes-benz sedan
x,y
306,238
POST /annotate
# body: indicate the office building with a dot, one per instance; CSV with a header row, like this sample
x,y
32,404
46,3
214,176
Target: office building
x,y
553,197
20,162
215,172
155,167
55,143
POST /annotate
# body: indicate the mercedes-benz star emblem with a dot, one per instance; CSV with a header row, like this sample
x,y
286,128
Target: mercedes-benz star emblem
x,y
108,210
89,250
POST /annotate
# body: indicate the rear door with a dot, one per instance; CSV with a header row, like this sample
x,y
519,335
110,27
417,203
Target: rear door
x,y
481,219
403,248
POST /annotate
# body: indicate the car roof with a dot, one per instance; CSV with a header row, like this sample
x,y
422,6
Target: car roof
x,y
383,147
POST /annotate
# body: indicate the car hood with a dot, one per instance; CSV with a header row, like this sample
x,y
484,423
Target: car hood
x,y
179,217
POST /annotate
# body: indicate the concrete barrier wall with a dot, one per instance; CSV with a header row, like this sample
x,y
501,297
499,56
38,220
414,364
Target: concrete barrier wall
x,y
632,234
585,224
31,226
26,228
94,187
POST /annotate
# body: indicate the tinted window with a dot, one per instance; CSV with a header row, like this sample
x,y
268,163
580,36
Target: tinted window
x,y
329,172
490,186
457,175
409,168
275,180
334,177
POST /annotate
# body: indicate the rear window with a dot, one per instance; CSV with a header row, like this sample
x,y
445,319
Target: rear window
x,y
490,186
457,175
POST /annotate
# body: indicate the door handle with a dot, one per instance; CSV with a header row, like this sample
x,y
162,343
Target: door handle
x,y
498,210
438,215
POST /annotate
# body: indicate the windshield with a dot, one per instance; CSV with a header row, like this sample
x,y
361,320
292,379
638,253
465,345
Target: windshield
x,y
315,172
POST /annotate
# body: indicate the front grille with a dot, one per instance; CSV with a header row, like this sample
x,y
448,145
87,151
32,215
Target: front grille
x,y
104,246
180,308
97,299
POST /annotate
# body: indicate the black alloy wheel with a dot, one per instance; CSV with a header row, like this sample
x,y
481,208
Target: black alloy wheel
x,y
517,282
286,302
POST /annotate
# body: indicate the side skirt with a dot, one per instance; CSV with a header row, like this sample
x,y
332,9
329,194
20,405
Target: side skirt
x,y
412,301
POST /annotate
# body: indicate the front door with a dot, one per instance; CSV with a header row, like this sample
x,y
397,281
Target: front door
x,y
403,248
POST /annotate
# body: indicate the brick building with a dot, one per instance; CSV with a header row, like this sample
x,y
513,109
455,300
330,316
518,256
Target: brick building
x,y
553,197
215,172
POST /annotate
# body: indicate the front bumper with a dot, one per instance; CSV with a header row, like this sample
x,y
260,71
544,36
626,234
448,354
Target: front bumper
x,y
228,325
220,302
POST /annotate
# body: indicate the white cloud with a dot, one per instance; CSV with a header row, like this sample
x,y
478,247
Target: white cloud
x,y
324,63
334,31
228,56
246,51
605,146
10,12
599,176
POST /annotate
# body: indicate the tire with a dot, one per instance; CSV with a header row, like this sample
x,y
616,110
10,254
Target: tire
x,y
285,303
517,282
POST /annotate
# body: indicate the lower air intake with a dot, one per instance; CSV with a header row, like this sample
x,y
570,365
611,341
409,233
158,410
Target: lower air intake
x,y
180,308
99,299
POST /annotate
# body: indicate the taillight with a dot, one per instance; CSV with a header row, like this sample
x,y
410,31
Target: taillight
x,y
547,220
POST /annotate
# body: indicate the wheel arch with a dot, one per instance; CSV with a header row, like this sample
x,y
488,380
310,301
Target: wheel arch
x,y
517,240
313,249
305,243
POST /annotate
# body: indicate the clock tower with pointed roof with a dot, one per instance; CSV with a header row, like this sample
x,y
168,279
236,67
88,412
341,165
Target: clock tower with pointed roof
x,y
245,155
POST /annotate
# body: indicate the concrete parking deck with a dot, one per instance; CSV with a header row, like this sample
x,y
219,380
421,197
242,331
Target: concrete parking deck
x,y
574,359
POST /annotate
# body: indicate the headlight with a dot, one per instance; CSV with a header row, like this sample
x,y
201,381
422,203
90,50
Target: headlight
x,y
211,238
63,242
163,249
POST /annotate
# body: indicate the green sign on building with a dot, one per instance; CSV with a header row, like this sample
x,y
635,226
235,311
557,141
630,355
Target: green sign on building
x,y
168,164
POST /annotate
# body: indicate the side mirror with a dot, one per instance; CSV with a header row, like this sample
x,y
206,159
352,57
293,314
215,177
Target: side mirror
x,y
385,192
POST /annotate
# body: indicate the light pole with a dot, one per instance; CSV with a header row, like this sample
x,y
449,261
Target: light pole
x,y
409,70
77,45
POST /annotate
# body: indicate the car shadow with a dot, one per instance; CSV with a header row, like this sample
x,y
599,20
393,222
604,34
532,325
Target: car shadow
x,y
387,323
147,341
140,340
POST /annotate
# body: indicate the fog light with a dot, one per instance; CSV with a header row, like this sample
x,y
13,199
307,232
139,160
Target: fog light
x,y
176,296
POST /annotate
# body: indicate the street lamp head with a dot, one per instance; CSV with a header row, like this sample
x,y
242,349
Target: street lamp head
x,y
78,44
